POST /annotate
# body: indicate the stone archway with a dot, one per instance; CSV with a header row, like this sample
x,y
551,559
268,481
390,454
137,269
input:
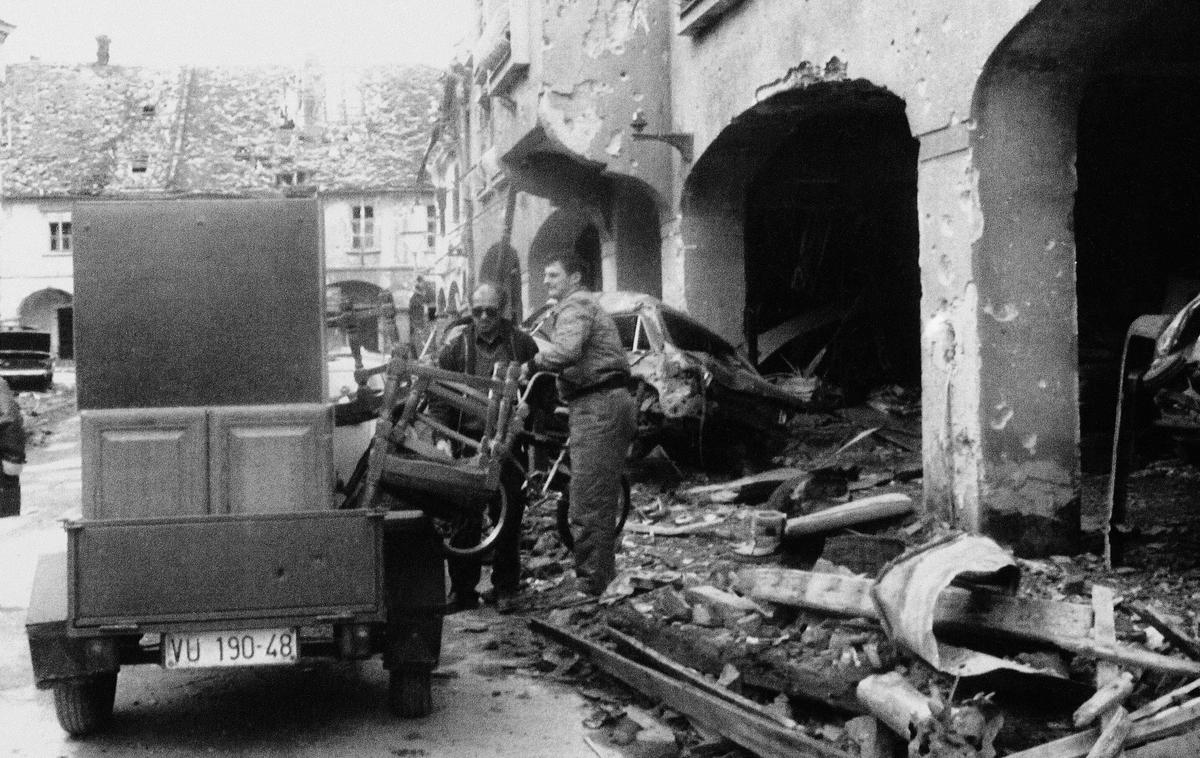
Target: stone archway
x,y
502,265
49,310
571,230
801,221
1067,256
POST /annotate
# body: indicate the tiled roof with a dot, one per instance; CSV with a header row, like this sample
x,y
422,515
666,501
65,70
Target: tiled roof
x,y
83,130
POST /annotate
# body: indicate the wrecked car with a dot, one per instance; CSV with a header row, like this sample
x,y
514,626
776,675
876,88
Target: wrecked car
x,y
25,358
1171,379
696,394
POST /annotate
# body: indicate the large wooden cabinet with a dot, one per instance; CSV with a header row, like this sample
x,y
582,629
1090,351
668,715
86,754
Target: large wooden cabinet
x,y
195,461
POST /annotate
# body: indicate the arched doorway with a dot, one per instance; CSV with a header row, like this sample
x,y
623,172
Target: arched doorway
x,y
502,265
570,230
49,310
637,234
453,304
801,220
1078,163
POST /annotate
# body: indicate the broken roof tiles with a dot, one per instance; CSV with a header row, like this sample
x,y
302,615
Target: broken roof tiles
x,y
83,130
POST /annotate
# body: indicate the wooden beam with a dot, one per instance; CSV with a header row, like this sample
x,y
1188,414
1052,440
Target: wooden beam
x,y
1181,641
874,508
1111,741
663,663
766,481
469,404
1104,631
748,729
830,685
1108,697
1185,718
669,530
984,614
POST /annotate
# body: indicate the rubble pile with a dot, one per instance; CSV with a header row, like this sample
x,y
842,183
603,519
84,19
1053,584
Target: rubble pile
x,y
864,630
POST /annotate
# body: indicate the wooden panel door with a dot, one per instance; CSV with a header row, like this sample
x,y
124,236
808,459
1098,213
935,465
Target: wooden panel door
x,y
271,458
144,463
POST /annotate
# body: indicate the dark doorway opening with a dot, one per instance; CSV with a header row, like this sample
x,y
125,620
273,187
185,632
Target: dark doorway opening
x,y
1137,225
831,241
66,332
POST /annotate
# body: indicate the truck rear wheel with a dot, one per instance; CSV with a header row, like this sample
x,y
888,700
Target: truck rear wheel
x,y
86,704
410,693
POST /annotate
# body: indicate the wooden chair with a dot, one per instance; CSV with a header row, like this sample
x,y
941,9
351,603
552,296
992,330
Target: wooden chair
x,y
404,461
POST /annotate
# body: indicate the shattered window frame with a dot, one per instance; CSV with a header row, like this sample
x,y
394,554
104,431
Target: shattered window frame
x,y
362,228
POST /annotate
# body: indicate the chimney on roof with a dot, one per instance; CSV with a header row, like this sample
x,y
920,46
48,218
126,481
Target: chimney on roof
x,y
102,43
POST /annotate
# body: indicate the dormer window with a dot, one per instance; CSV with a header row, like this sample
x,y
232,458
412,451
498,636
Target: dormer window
x,y
148,110
139,163
290,178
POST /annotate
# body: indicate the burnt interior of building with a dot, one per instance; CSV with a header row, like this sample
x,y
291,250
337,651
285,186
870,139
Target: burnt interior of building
x,y
831,239
1137,208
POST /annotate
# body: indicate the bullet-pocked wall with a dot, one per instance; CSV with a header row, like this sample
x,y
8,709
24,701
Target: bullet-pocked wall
x,y
564,135
1039,247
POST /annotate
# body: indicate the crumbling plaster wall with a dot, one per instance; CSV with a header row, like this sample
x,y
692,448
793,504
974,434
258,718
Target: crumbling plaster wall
x,y
930,54
593,64
602,60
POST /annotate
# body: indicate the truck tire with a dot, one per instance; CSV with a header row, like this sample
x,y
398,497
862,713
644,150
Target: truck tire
x,y
410,693
84,705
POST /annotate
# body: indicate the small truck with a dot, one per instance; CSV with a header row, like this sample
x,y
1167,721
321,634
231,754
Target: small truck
x,y
211,533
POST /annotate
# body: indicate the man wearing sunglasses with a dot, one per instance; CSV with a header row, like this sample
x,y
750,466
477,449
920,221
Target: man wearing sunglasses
x,y
488,339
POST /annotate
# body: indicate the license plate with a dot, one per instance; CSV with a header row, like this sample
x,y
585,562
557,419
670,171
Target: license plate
x,y
246,647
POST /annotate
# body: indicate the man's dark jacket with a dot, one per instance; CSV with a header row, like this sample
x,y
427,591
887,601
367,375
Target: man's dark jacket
x,y
460,354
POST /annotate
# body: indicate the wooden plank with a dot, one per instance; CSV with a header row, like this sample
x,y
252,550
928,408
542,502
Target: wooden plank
x,y
874,508
660,530
1104,631
452,377
441,429
836,594
1172,698
748,729
1111,741
985,614
1106,698
1181,641
469,404
663,663
775,476
1185,718
770,670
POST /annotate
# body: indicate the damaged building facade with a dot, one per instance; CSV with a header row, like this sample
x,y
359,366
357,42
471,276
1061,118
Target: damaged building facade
x,y
352,138
972,198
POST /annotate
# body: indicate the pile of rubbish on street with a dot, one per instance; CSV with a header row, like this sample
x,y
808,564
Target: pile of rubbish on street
x,y
811,610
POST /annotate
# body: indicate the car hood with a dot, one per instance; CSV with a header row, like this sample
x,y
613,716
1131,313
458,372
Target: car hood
x,y
746,382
